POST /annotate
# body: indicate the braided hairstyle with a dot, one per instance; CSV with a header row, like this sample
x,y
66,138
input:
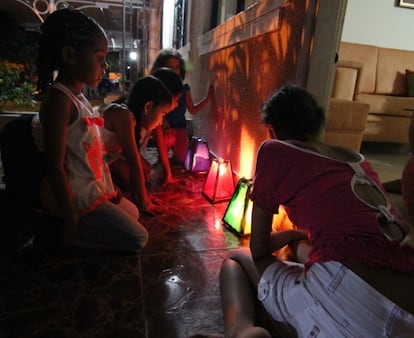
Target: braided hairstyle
x,y
65,27
147,88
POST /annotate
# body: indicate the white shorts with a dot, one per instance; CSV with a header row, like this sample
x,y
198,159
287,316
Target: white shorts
x,y
329,300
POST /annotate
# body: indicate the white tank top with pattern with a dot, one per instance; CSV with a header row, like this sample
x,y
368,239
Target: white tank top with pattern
x,y
88,173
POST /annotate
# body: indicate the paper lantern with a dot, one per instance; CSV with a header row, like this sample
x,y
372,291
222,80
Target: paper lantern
x,y
197,158
238,214
219,184
239,210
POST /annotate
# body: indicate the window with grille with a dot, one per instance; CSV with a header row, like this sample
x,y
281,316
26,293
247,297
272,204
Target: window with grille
x,y
221,10
180,26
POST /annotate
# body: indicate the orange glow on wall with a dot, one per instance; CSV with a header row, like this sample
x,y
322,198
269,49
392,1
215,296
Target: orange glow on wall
x,y
247,153
281,221
246,58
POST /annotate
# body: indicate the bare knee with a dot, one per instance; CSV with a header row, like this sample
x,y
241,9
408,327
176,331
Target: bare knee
x,y
241,256
236,260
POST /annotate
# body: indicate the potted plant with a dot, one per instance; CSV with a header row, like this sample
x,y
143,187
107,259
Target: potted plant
x,y
15,92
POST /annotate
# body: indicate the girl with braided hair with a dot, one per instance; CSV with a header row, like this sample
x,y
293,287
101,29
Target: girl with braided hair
x,y
77,188
127,127
175,124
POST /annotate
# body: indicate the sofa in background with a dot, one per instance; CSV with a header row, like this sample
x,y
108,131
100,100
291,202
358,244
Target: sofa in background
x,y
345,123
378,77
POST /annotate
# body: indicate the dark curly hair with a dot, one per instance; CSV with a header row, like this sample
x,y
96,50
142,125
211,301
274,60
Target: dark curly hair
x,y
64,27
294,113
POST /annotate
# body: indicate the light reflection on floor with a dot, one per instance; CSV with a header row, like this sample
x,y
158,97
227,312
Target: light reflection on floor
x,y
171,290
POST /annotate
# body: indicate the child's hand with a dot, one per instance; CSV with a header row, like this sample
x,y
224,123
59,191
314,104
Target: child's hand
x,y
169,180
152,209
298,249
150,206
156,200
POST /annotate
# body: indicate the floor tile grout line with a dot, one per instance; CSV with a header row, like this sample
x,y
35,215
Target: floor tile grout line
x,y
142,296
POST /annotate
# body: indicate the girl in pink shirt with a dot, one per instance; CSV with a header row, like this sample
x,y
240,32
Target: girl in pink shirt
x,y
357,252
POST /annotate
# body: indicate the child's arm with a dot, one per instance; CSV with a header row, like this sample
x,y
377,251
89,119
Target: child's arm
x,y
263,241
194,108
123,123
163,153
56,114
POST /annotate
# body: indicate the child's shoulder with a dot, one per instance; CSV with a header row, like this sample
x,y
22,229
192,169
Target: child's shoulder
x,y
274,143
56,98
112,108
279,148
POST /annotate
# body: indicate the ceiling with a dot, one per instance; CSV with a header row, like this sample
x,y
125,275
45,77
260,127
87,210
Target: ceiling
x,y
123,20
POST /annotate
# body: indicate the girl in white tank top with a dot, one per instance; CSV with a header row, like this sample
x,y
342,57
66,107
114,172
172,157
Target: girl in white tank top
x,y
78,189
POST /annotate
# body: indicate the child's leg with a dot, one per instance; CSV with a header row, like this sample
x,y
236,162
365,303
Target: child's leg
x,y
411,134
407,184
129,207
238,282
121,176
393,186
110,227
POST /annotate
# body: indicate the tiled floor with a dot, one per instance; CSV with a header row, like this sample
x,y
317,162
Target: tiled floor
x,y
170,290
387,159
